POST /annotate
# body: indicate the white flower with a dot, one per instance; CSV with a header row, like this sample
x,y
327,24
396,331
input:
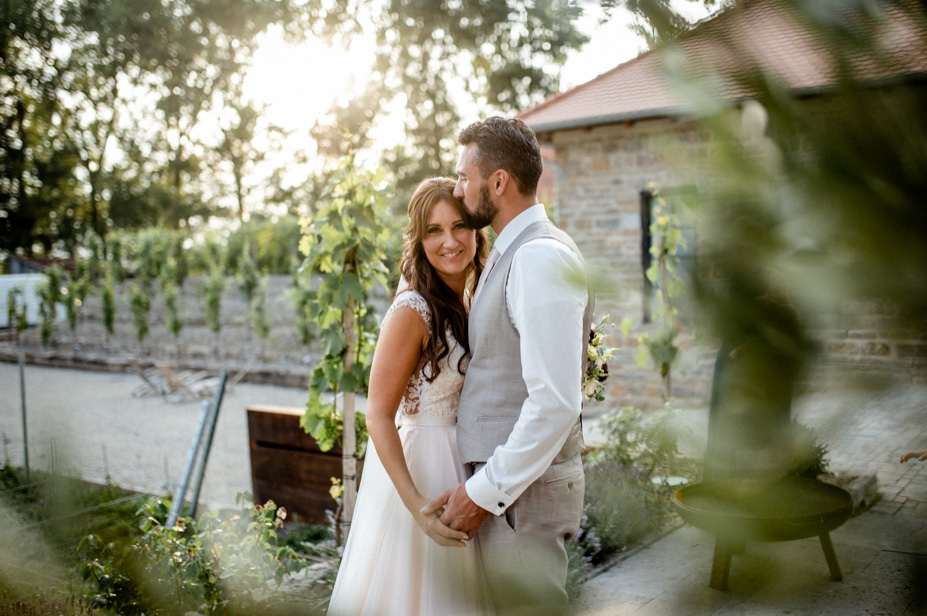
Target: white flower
x,y
589,389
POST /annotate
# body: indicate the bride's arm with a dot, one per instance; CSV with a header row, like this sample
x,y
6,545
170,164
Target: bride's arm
x,y
397,355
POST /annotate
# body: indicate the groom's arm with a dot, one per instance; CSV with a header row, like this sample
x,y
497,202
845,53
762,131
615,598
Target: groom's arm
x,y
546,303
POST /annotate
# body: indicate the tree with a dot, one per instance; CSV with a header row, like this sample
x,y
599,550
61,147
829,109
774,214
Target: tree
x,y
656,21
237,149
344,246
504,55
100,101
28,68
104,49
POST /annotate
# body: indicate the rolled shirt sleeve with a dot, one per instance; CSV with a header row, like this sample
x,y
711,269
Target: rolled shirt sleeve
x,y
546,297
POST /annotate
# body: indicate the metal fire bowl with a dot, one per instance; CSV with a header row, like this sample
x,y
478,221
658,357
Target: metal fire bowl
x,y
782,510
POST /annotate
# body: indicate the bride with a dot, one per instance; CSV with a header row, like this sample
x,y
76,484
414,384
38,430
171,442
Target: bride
x,y
398,560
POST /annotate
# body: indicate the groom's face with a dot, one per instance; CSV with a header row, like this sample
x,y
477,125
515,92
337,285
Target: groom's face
x,y
473,190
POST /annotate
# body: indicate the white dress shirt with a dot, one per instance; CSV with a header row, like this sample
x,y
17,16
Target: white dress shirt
x,y
545,304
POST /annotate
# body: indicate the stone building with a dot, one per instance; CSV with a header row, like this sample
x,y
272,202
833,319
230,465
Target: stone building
x,y
618,136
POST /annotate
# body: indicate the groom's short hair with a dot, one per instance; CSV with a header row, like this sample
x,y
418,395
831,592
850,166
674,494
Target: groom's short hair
x,y
506,144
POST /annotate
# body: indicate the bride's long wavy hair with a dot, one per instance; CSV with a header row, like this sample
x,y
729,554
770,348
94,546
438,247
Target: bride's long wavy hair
x,y
447,311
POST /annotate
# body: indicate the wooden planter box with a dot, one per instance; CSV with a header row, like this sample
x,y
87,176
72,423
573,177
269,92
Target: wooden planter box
x,y
287,465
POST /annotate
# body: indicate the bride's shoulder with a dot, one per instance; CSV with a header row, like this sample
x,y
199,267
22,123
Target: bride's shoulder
x,y
409,298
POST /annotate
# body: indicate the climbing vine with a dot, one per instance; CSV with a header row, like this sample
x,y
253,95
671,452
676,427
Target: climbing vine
x,y
660,345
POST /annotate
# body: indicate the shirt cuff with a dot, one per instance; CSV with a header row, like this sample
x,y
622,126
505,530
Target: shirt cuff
x,y
484,493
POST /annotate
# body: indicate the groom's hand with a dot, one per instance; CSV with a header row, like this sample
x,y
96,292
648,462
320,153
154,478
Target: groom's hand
x,y
460,513
439,533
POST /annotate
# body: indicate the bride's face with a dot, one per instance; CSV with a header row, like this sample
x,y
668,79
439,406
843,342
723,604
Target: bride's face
x,y
449,244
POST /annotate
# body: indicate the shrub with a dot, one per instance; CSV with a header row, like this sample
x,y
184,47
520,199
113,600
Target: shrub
x,y
274,244
807,456
216,565
622,507
649,444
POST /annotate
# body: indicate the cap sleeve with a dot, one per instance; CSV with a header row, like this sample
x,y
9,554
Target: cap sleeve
x,y
413,299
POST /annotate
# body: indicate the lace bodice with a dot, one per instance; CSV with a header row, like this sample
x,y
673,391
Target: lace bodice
x,y
438,398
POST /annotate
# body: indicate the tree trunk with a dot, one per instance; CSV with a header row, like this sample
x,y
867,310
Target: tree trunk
x,y
349,436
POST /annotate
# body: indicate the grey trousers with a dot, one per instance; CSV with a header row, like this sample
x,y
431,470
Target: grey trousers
x,y
523,551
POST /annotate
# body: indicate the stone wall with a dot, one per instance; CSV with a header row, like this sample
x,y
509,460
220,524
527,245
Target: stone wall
x,y
283,358
601,174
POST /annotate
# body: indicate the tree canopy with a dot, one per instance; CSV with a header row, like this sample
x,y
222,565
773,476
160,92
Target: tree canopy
x,y
103,103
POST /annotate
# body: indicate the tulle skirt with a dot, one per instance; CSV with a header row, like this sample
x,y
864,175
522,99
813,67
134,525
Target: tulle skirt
x,y
390,566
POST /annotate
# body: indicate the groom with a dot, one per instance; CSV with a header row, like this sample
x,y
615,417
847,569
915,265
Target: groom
x,y
518,424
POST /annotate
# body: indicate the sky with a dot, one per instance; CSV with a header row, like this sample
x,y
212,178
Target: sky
x,y
612,43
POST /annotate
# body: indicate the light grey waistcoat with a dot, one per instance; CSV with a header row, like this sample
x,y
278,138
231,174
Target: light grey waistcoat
x,y
494,390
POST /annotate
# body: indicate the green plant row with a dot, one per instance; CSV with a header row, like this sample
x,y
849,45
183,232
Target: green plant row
x,y
160,261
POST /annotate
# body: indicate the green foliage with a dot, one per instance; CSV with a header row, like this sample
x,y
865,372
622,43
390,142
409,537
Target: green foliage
x,y
807,455
96,257
169,295
655,20
130,563
273,244
343,244
53,291
626,494
115,244
260,320
108,300
16,311
212,298
647,443
107,135
301,296
141,305
177,264
221,565
74,292
623,507
247,273
151,254
660,345
51,513
50,295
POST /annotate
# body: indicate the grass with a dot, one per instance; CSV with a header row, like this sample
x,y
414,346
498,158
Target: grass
x,y
41,522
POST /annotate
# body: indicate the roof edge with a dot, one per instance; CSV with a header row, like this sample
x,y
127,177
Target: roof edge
x,y
682,112
616,118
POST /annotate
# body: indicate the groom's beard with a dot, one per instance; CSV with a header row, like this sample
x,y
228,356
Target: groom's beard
x,y
485,211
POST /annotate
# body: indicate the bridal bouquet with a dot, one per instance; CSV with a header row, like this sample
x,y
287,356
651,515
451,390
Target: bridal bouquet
x,y
597,356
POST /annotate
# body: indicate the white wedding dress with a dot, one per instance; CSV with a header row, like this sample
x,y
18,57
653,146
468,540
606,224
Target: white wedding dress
x,y
390,566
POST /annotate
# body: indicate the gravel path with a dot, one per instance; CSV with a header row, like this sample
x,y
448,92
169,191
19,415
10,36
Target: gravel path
x,y
89,424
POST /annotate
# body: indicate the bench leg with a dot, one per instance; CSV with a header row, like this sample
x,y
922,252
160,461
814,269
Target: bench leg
x,y
828,547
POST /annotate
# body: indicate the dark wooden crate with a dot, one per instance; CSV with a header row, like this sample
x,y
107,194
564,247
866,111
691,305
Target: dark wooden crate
x,y
287,465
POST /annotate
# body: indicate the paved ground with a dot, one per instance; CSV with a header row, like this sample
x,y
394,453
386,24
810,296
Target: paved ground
x,y
882,551
91,424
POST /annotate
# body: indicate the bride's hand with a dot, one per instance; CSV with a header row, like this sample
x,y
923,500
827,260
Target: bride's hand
x,y
432,526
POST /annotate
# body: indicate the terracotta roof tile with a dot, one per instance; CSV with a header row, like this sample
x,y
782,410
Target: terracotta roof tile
x,y
725,50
